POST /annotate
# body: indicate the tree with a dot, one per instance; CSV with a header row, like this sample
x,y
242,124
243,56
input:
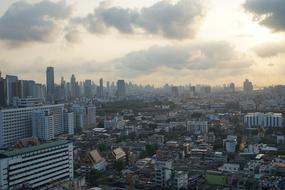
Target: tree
x,y
119,165
102,147
92,176
150,149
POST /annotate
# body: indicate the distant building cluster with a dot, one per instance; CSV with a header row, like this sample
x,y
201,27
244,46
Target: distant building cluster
x,y
119,135
263,120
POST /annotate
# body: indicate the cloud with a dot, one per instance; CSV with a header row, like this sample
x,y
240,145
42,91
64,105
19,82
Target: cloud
x,y
73,36
199,57
176,21
26,22
270,13
270,49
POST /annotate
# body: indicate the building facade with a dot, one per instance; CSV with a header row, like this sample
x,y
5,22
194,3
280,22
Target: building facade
x,y
43,125
36,167
263,119
16,123
163,171
50,83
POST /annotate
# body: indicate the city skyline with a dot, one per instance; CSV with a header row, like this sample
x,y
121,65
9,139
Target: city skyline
x,y
154,42
142,94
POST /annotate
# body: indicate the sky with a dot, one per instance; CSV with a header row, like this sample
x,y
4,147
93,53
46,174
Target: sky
x,y
148,42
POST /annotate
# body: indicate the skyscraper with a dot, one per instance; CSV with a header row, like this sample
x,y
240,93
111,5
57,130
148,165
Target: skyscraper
x,y
100,89
247,86
9,88
74,88
121,88
108,88
88,88
50,83
3,92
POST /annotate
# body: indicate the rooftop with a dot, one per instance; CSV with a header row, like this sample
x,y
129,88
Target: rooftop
x,y
15,152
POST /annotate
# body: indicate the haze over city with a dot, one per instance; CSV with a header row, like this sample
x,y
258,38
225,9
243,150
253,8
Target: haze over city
x,y
142,94
147,42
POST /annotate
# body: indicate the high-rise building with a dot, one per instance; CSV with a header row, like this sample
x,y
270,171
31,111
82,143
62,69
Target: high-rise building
x,y
16,123
108,88
174,91
232,87
78,116
90,115
36,167
9,88
3,93
69,122
74,88
247,86
101,89
121,88
43,125
50,83
88,88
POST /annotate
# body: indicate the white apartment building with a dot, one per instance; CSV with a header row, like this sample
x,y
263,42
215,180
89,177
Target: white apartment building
x,y
197,127
263,119
69,123
163,171
43,125
230,143
36,167
78,116
180,180
229,167
16,123
90,115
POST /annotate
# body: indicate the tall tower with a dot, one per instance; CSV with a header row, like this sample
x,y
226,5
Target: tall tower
x,y
50,83
121,88
247,86
101,92
73,86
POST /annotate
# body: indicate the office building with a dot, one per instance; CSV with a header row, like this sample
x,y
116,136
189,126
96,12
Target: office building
x,y
108,89
174,91
90,115
74,88
36,167
9,88
101,89
88,89
16,123
27,102
263,120
43,125
3,93
50,83
78,116
247,86
68,122
121,88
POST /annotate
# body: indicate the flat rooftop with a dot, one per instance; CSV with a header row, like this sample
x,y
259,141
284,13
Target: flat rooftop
x,y
15,152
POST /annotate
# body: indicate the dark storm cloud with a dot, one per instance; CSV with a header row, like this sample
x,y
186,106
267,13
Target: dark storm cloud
x,y
25,22
197,57
270,13
177,21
